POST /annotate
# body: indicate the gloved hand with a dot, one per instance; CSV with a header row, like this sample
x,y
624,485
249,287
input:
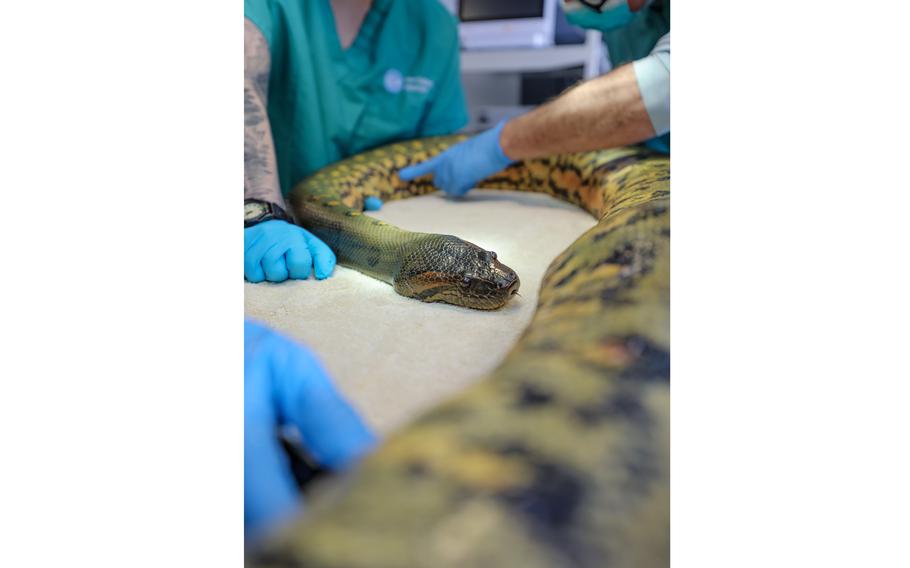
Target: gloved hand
x,y
459,168
372,203
277,250
285,385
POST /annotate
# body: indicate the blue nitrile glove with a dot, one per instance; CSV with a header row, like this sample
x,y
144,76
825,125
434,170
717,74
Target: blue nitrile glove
x,y
277,250
372,203
284,384
459,168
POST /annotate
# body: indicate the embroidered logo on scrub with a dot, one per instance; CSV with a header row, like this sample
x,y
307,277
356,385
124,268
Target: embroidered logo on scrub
x,y
394,82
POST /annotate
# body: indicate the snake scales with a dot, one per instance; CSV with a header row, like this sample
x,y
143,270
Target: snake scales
x,y
561,456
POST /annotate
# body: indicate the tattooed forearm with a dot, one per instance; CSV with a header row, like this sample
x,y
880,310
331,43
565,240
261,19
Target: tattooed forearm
x,y
260,171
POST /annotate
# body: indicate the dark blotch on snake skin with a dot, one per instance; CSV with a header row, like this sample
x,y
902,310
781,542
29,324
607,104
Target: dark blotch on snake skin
x,y
560,192
629,253
428,293
621,405
588,297
637,261
642,264
530,396
549,345
275,558
551,499
565,279
601,236
648,213
417,469
652,363
641,469
639,255
514,449
549,506
616,164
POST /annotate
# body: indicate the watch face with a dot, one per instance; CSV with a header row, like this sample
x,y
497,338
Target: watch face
x,y
252,211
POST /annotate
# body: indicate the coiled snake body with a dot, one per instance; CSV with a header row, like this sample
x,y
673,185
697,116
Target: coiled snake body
x,y
561,456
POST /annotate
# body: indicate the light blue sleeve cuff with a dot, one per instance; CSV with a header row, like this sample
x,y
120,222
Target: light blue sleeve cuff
x,y
653,75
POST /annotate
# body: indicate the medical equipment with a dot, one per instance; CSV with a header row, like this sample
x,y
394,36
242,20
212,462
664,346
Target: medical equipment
x,y
508,23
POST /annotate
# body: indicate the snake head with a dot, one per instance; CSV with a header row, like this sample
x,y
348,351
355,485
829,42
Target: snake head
x,y
443,268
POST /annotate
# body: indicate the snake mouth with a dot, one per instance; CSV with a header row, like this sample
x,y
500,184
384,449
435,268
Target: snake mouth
x,y
510,282
509,290
503,294
496,296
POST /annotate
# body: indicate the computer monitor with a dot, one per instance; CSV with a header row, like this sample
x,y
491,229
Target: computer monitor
x,y
506,23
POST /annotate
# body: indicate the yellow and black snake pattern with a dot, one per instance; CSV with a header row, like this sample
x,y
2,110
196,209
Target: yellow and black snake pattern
x,y
561,457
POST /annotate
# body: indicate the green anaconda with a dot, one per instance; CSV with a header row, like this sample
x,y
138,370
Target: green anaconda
x,y
561,457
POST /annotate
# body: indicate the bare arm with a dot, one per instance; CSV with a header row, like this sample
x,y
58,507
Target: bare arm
x,y
601,113
260,170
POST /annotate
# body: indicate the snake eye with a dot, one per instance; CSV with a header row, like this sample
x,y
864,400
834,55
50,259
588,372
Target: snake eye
x,y
466,281
493,254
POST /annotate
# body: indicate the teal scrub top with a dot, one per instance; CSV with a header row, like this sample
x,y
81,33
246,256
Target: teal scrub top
x,y
399,79
637,38
635,41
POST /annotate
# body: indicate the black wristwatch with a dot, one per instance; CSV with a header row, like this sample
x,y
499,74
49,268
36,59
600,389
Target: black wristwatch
x,y
256,211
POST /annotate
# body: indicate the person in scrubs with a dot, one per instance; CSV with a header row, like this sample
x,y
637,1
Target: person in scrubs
x,y
326,79
628,105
